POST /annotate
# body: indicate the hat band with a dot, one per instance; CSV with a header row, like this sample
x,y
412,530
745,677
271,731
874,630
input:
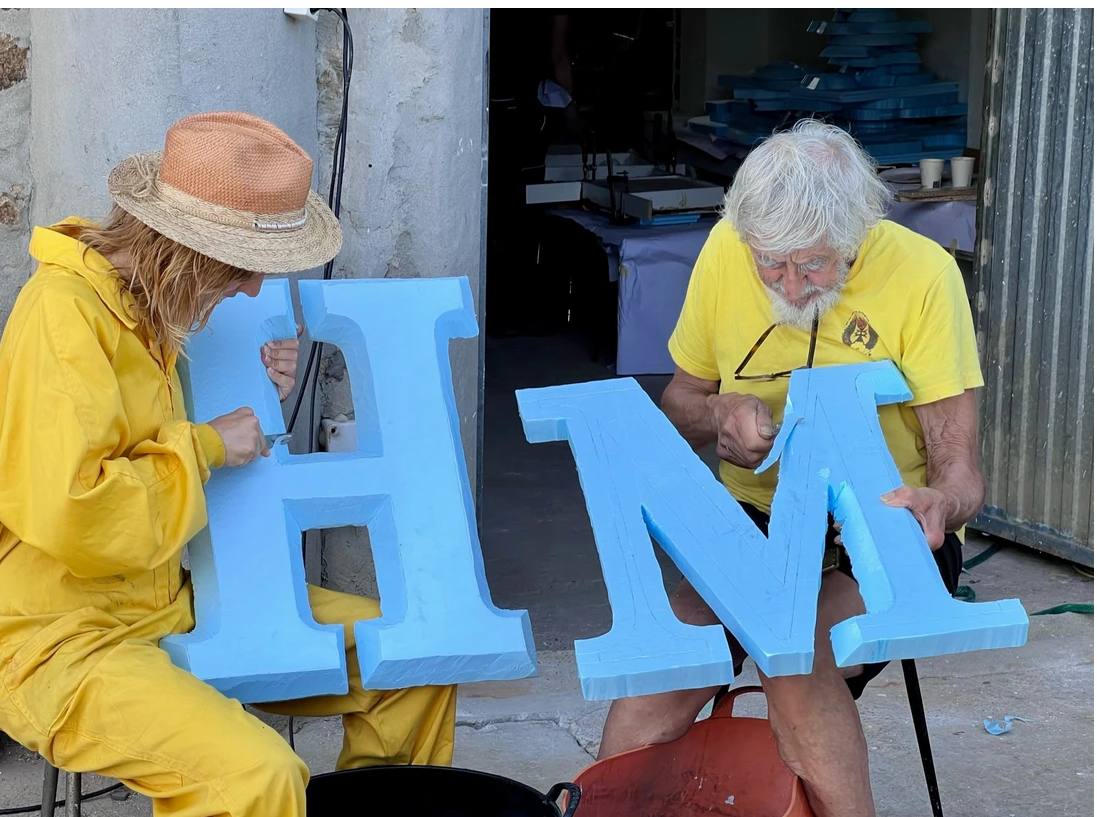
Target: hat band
x,y
219,214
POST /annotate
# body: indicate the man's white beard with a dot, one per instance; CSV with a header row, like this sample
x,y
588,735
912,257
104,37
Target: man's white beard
x,y
801,317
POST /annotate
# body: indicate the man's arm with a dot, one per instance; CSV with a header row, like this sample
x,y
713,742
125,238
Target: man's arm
x,y
740,424
955,487
686,404
952,455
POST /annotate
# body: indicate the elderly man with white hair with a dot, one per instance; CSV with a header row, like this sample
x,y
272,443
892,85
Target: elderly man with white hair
x,y
804,270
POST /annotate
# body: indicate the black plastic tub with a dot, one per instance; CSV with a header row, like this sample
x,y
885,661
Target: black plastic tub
x,y
431,791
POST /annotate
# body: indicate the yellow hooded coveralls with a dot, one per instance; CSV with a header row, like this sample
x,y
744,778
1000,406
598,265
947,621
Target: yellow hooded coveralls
x,y
101,479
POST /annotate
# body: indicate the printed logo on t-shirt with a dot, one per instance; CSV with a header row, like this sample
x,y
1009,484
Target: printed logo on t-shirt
x,y
859,333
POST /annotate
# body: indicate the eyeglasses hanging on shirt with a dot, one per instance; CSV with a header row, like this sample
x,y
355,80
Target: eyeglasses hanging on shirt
x,y
786,373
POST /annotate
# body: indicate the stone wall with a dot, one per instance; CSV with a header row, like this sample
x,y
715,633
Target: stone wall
x,y
15,180
92,107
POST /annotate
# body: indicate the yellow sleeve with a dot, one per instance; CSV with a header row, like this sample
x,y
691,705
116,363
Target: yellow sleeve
x,y
692,345
940,358
211,444
72,482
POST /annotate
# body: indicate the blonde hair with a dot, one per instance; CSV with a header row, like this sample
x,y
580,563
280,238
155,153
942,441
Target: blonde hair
x,y
174,288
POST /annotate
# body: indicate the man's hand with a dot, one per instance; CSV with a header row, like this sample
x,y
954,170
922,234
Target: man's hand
x,y
280,358
242,436
744,428
932,509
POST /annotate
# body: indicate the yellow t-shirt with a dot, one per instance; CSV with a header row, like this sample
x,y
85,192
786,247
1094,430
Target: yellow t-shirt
x,y
904,301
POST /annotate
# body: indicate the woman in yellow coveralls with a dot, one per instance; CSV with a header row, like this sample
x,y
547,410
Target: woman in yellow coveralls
x,y
101,477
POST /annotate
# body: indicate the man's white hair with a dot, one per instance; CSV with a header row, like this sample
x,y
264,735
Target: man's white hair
x,y
811,184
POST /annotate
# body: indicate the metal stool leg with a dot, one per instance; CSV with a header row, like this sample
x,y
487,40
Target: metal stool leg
x,y
918,715
72,795
49,789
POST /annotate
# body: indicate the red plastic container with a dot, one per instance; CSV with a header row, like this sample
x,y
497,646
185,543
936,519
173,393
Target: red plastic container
x,y
723,765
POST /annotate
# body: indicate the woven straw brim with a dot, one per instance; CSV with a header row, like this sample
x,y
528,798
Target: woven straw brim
x,y
311,245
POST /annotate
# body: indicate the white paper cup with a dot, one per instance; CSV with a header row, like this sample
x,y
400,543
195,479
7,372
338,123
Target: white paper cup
x,y
932,170
962,168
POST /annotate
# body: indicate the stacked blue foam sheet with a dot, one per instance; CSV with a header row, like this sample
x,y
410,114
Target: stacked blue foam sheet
x,y
873,83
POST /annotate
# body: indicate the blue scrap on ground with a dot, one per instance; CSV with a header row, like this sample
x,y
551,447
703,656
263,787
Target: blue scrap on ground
x,y
1000,727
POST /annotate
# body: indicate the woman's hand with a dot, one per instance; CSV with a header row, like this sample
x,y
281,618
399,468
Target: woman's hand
x,y
280,358
242,436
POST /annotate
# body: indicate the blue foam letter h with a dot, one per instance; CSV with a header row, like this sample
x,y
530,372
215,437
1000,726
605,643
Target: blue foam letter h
x,y
255,638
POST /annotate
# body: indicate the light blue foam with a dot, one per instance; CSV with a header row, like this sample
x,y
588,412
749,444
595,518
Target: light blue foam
x,y
640,477
255,637
832,410
641,480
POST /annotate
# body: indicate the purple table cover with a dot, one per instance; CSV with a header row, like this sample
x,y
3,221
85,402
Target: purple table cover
x,y
652,266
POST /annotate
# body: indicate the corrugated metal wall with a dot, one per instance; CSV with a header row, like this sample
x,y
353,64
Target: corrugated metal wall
x,y
1034,281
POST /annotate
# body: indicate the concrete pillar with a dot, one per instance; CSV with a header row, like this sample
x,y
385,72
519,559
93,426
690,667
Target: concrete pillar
x,y
107,83
415,187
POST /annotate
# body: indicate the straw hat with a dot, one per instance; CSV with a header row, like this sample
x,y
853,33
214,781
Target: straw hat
x,y
235,188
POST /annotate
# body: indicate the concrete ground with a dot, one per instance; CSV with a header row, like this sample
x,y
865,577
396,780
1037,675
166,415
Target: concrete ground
x,y
540,556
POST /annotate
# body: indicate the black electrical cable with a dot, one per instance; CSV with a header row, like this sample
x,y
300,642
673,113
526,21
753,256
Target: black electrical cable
x,y
335,195
335,201
60,803
336,192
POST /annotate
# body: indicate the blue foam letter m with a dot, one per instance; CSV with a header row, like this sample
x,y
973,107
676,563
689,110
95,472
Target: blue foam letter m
x,y
642,481
255,638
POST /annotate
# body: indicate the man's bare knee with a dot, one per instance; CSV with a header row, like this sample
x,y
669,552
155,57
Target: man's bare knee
x,y
839,599
648,719
690,607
